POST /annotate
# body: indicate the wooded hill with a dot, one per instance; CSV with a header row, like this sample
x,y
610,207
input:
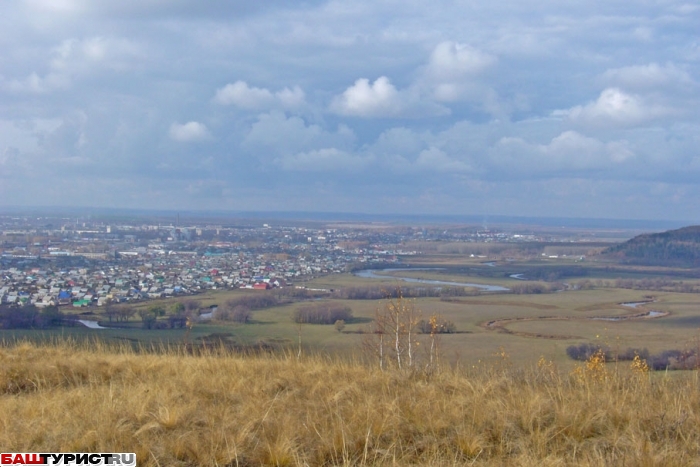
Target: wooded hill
x,y
679,247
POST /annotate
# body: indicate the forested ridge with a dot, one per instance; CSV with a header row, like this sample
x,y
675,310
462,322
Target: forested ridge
x,y
679,247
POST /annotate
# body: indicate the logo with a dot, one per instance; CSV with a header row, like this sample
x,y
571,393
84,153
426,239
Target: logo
x,y
55,458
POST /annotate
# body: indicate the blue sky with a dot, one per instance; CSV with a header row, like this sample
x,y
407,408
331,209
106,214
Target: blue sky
x,y
572,109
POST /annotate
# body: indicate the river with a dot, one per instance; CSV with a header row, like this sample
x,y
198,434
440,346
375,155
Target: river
x,y
376,274
91,324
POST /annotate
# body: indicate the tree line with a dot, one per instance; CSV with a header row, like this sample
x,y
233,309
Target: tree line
x,y
322,313
31,317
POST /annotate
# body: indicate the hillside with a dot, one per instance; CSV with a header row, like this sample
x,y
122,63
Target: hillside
x,y
222,409
679,247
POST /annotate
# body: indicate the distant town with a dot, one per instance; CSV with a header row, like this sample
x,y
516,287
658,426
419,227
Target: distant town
x,y
84,262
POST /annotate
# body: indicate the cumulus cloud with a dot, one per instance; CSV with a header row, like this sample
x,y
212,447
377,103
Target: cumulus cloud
x,y
136,66
275,134
615,107
241,95
567,152
291,98
454,70
189,132
247,97
362,99
454,61
382,100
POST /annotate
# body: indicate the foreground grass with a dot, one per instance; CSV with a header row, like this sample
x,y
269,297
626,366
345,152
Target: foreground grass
x,y
216,408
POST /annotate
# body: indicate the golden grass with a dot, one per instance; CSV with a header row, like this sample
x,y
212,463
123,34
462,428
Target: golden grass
x,y
216,408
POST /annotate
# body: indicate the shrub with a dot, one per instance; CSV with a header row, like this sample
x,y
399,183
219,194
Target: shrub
x,y
441,327
630,353
584,352
666,360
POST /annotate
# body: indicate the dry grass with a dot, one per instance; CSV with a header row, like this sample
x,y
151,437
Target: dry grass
x,y
222,409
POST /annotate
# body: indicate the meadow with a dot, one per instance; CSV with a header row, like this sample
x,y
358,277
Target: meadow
x,y
527,326
210,407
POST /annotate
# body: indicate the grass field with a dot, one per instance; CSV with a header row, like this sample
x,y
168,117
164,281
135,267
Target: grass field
x,y
474,341
529,326
212,407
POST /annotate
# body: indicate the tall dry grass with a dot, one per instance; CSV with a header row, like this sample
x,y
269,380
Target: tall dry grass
x,y
221,409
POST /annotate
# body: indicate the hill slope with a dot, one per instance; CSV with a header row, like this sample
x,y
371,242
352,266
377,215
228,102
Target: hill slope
x,y
679,247
221,409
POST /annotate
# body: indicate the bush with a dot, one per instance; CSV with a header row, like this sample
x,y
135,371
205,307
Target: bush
x,y
441,327
630,353
666,360
584,351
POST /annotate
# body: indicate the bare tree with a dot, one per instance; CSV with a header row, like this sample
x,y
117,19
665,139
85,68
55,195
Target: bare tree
x,y
112,312
126,312
397,320
241,314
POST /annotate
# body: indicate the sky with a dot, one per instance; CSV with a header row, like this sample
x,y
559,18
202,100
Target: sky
x,y
518,108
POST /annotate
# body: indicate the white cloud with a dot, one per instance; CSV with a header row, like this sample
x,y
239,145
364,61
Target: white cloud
x,y
615,107
247,97
277,134
291,98
624,75
569,151
379,99
454,61
241,95
189,132
382,100
457,73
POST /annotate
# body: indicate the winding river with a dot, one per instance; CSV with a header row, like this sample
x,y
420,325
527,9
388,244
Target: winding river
x,y
376,274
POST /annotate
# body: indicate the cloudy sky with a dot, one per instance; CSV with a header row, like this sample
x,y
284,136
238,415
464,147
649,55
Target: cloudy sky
x,y
533,108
